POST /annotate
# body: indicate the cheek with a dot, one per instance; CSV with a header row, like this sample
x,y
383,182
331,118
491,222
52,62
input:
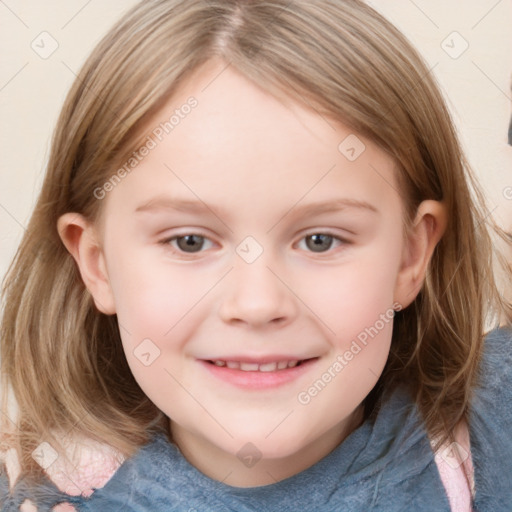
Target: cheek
x,y
155,313
356,309
158,308
352,297
151,299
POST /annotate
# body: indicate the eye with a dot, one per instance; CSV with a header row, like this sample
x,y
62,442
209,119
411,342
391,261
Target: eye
x,y
189,243
321,242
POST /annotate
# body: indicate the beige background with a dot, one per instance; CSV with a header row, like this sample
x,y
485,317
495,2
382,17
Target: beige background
x,y
32,88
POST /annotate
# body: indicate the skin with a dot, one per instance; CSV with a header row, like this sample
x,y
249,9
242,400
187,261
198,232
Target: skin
x,y
254,160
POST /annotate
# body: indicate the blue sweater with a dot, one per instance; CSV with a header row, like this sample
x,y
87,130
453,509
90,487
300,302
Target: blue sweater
x,y
386,465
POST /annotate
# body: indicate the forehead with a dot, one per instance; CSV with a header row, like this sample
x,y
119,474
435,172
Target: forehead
x,y
239,144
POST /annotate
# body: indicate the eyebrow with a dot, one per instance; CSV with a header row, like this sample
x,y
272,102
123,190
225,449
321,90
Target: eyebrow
x,y
163,203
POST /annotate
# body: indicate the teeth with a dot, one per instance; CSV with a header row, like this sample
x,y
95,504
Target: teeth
x,y
249,367
255,367
268,367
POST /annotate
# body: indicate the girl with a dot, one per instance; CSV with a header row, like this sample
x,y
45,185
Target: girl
x,y
322,347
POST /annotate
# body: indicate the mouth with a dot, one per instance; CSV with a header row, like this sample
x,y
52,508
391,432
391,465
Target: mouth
x,y
258,375
271,366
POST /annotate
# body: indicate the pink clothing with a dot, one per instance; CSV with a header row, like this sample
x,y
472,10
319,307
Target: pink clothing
x,y
89,466
456,470
456,485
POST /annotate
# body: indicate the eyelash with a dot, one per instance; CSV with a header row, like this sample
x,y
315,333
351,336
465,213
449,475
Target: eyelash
x,y
167,242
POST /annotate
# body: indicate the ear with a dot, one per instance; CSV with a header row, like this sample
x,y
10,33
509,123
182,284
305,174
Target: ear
x,y
82,241
426,231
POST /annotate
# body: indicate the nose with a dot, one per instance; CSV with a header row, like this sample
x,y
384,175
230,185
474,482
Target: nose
x,y
256,294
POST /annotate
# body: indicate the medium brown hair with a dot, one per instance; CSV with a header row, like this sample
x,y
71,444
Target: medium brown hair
x,y
63,359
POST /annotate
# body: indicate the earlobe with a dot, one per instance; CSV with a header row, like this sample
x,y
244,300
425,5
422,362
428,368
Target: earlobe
x,y
80,238
425,233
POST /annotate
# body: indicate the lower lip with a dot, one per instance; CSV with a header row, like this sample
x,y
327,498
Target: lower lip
x,y
258,380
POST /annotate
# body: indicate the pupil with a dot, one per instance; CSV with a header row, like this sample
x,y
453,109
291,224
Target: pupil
x,y
320,242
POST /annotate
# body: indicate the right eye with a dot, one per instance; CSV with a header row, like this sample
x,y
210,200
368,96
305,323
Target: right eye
x,y
189,243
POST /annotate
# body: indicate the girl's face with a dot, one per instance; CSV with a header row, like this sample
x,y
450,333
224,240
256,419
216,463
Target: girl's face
x,y
253,258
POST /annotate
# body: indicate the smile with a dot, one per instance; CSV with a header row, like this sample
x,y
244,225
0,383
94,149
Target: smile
x,y
258,375
255,367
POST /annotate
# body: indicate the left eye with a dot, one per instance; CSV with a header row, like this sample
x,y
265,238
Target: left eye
x,y
321,242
